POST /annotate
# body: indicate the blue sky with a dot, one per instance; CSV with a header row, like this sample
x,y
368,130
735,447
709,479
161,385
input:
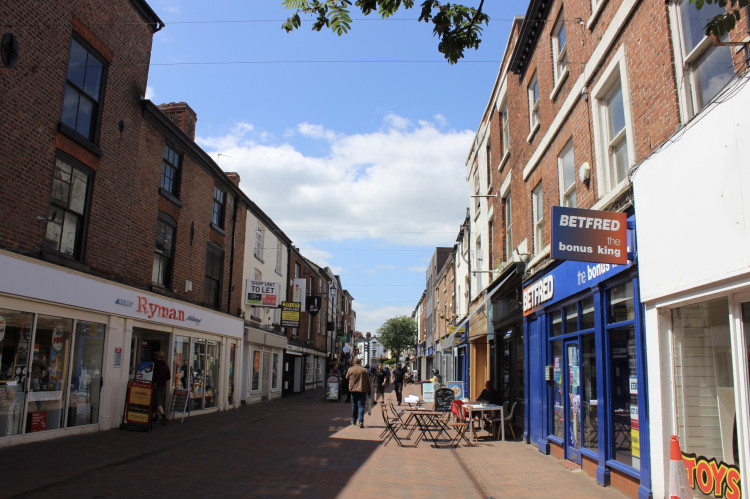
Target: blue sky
x,y
354,145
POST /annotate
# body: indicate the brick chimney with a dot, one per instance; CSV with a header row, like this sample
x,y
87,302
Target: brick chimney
x,y
234,177
181,115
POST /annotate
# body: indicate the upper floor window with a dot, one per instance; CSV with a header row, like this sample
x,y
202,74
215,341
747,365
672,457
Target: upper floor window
x,y
68,209
489,165
506,129
83,90
613,124
259,236
214,271
567,174
559,50
170,170
708,68
537,203
161,273
491,243
477,203
219,203
533,103
508,228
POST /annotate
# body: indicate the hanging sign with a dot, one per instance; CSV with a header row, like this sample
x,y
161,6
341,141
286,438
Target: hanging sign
x,y
290,313
589,235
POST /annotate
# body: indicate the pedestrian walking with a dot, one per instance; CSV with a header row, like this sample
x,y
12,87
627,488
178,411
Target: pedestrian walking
x,y
380,381
398,381
359,388
161,376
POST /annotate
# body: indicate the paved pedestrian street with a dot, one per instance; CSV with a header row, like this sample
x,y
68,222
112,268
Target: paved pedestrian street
x,y
299,446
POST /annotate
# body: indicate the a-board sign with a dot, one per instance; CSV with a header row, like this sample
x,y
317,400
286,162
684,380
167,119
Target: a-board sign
x,y
443,399
139,401
428,392
333,388
180,403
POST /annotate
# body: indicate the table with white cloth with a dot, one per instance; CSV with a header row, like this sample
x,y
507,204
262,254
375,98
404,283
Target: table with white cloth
x,y
481,409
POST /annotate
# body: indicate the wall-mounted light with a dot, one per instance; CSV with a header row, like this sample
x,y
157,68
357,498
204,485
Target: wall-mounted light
x,y
123,302
584,173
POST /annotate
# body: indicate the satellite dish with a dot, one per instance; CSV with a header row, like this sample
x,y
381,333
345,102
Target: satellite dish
x,y
9,50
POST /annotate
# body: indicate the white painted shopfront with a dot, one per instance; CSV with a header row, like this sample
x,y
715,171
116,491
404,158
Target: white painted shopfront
x,y
69,343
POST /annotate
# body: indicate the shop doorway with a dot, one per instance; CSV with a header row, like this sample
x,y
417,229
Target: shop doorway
x,y
143,347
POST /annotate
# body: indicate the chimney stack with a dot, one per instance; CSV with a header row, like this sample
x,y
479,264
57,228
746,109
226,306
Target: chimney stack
x,y
181,115
234,177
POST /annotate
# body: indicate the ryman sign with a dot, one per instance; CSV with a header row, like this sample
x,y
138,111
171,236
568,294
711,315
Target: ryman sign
x,y
589,235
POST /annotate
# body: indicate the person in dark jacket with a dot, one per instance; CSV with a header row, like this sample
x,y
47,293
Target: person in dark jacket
x,y
161,376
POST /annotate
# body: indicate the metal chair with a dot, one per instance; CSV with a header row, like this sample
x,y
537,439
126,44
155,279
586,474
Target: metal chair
x,y
508,420
392,425
460,424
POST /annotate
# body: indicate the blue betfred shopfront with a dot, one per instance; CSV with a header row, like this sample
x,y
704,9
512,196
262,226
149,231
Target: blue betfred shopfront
x,y
585,371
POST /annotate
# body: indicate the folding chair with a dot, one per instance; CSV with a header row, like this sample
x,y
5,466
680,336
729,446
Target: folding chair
x,y
460,424
391,430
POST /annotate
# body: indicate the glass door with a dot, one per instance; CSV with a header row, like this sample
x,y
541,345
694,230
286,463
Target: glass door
x,y
573,421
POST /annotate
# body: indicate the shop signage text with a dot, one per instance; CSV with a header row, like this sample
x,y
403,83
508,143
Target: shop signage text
x,y
712,478
152,310
589,235
538,293
262,293
290,313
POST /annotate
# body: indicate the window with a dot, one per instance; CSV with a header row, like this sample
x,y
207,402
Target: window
x,y
533,104
538,214
219,202
477,199
83,89
505,129
67,211
567,175
259,236
164,251
508,229
170,170
708,68
613,125
489,165
491,236
214,271
559,50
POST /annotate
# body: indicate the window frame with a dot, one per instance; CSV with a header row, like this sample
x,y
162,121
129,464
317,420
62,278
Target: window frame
x,y
567,192
166,254
213,275
64,206
533,94
559,51
505,135
92,137
508,219
615,75
259,242
219,207
170,154
537,203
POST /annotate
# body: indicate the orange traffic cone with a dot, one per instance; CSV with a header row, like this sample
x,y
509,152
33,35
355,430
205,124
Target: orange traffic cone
x,y
679,487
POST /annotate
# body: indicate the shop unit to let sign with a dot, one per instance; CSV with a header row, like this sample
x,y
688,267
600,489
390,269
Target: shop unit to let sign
x,y
589,235
262,293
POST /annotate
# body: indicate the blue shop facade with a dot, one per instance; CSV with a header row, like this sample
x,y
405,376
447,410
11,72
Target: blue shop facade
x,y
586,394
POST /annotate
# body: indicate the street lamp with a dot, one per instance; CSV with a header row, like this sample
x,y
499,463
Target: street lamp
x,y
368,336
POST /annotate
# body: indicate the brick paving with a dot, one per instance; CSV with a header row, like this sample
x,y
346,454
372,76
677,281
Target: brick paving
x,y
299,446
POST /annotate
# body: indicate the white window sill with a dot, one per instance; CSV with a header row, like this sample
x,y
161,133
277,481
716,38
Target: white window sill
x,y
559,84
504,160
595,15
533,132
539,256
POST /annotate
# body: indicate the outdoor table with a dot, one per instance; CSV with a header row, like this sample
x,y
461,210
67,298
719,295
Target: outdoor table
x,y
427,422
481,409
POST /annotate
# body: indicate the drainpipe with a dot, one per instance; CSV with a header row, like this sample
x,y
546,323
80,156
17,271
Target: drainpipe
x,y
231,254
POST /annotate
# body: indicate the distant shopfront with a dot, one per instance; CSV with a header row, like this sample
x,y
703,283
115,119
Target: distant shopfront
x,y
585,361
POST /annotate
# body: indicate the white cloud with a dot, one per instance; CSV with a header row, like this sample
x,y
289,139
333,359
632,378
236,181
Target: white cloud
x,y
403,184
420,270
370,319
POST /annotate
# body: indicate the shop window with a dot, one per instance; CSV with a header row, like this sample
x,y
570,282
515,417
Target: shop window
x,y
621,303
558,411
587,313
15,349
275,371
571,318
704,383
624,430
49,372
83,90
86,380
67,210
232,360
255,382
589,394
212,374
556,329
181,369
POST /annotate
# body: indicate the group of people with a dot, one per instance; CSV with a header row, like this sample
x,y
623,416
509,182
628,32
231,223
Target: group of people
x,y
360,382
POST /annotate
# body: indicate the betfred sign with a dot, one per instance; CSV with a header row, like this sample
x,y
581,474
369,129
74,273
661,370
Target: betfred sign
x,y
589,235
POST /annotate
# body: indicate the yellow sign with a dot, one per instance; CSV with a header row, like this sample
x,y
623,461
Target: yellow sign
x,y
453,329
